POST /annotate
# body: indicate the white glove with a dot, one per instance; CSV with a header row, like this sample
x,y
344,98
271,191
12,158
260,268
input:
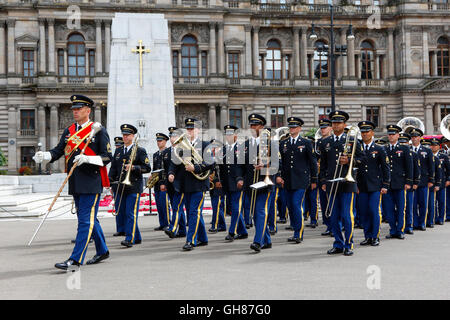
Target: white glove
x,y
42,156
82,158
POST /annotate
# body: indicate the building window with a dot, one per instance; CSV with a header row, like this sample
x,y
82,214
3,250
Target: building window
x,y
60,62
445,110
260,66
204,64
273,60
189,57
324,111
287,67
380,67
28,63
175,63
91,63
367,60
76,57
321,65
277,117
27,122
443,57
233,65
26,157
235,117
373,114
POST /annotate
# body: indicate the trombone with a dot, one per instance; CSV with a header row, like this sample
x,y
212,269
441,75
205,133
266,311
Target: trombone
x,y
352,132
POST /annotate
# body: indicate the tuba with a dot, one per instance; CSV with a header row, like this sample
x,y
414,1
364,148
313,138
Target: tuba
x,y
154,178
445,126
409,123
184,144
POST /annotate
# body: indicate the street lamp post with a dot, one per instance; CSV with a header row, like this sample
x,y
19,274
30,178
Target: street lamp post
x,y
342,49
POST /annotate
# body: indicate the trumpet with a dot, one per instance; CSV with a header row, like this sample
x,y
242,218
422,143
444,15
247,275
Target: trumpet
x,y
127,181
183,143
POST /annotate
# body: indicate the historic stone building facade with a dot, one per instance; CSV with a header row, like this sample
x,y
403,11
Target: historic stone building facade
x,y
229,58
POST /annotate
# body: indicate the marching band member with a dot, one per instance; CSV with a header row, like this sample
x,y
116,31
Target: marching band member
x,y
87,181
232,177
161,161
120,217
217,196
130,195
192,188
373,182
411,193
342,198
401,168
177,226
442,180
298,173
426,183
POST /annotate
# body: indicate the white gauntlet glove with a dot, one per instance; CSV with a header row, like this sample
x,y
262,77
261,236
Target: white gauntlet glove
x,y
96,160
42,156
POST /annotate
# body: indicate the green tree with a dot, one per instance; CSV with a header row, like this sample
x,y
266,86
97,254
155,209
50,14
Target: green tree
x,y
3,161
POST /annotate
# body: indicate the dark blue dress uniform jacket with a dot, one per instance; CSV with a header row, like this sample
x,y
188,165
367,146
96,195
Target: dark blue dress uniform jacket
x,y
161,160
298,165
329,159
416,168
440,170
445,164
401,166
86,179
426,166
374,173
185,180
141,165
232,168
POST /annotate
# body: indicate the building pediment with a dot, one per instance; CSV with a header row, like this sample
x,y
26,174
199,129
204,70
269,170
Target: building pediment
x,y
27,41
438,85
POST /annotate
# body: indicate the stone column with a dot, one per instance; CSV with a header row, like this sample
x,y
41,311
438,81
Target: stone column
x,y
53,125
41,126
296,43
434,63
98,112
199,64
51,46
351,57
12,138
86,57
212,48
383,117
98,47
303,53
248,50
65,62
212,116
221,49
267,116
376,69
407,52
425,58
223,115
2,48
248,110
255,51
391,60
342,59
42,52
11,46
429,127
108,44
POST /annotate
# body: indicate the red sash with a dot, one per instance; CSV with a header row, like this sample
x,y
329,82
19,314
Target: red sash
x,y
76,141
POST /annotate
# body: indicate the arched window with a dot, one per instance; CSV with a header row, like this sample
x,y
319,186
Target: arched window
x,y
321,65
443,56
273,60
367,60
76,58
189,57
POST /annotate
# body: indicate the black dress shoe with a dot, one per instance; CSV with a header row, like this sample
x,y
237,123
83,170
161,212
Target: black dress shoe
x,y
188,246
202,244
335,251
326,233
348,252
272,232
221,230
240,236
213,230
119,234
137,241
248,226
98,258
169,233
66,264
229,238
126,243
159,228
400,236
180,235
375,242
409,232
366,242
281,221
289,228
267,246
296,240
440,223
256,247
430,226
422,228
74,240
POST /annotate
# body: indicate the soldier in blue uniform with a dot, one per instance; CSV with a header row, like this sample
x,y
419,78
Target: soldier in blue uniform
x,y
298,172
232,177
342,200
129,195
404,139
177,226
312,197
120,217
160,158
87,181
425,186
373,182
192,189
442,180
401,168
217,194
